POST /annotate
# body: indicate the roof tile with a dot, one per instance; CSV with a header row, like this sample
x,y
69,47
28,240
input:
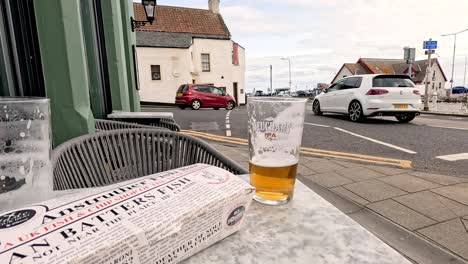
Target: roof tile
x,y
183,20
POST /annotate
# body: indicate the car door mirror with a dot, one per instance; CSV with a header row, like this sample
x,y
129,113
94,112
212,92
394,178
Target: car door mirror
x,y
325,91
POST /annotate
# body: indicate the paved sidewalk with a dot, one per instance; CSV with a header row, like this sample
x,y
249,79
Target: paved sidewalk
x,y
425,206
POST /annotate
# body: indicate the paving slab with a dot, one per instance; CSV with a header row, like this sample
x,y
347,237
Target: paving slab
x,y
360,174
329,179
451,234
374,190
387,170
244,164
401,214
409,183
350,195
303,170
348,164
433,205
440,179
457,192
324,166
312,158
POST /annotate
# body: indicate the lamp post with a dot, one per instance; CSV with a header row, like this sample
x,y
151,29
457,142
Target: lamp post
x,y
289,62
150,8
454,50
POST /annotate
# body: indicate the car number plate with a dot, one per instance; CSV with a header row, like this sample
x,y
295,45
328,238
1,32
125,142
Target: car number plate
x,y
401,106
180,94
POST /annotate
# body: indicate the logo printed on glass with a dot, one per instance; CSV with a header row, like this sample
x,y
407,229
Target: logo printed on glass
x,y
272,130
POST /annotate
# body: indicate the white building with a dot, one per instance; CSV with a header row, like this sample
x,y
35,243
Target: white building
x,y
437,78
187,45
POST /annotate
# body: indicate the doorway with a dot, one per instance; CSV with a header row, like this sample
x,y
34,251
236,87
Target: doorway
x,y
235,91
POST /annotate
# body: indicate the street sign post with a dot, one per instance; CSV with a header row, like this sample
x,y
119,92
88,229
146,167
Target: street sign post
x,y
429,45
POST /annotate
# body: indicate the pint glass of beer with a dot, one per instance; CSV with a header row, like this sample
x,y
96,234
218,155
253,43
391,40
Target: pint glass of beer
x,y
275,135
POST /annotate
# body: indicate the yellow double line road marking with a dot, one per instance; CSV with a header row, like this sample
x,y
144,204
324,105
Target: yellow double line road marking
x,y
311,151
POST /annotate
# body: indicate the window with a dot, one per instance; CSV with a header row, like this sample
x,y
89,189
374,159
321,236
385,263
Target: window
x,y
155,72
205,62
336,86
433,86
440,85
182,88
392,81
352,82
216,91
203,89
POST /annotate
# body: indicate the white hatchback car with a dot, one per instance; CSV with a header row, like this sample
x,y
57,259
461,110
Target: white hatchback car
x,y
361,96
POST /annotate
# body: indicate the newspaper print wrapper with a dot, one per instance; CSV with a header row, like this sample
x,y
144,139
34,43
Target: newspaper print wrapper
x,y
163,218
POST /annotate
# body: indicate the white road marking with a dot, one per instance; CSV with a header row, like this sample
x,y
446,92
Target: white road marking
x,y
228,126
459,128
319,125
376,141
454,157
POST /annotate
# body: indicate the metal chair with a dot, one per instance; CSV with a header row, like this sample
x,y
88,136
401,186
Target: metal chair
x,y
113,156
102,124
105,125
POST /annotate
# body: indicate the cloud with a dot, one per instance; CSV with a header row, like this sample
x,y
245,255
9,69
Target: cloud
x,y
244,19
320,35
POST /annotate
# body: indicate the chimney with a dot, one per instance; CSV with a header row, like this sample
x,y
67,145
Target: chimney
x,y
214,6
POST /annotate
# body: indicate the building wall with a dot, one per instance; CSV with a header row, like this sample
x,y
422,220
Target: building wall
x,y
342,73
179,66
439,79
175,70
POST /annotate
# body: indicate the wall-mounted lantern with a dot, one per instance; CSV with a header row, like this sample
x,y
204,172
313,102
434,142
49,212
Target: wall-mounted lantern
x,y
150,12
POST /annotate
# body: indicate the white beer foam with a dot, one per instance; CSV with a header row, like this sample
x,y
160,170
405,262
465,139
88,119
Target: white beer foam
x,y
274,160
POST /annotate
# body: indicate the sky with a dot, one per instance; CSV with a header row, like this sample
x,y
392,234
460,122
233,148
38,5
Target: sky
x,y
320,35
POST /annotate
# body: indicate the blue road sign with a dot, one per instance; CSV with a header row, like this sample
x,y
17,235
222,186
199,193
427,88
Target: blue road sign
x,y
430,44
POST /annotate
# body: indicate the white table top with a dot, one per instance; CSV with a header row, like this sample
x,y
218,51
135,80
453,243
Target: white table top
x,y
306,230
142,115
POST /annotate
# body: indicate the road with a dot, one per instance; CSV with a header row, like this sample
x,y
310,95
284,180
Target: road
x,y
427,141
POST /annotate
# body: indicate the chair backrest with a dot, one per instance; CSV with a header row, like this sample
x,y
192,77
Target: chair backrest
x,y
166,124
169,124
105,125
113,156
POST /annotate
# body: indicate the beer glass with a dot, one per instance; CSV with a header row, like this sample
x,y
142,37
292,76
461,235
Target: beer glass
x,y
25,148
275,135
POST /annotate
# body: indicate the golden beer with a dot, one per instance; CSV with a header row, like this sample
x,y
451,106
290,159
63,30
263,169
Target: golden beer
x,y
273,183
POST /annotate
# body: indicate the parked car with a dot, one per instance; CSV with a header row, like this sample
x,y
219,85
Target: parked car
x,y
259,93
302,93
197,96
362,96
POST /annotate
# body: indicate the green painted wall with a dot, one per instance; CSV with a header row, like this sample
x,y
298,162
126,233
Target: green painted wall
x,y
69,70
64,65
129,42
116,54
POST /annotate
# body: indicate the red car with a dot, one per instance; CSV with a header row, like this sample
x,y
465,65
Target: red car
x,y
203,95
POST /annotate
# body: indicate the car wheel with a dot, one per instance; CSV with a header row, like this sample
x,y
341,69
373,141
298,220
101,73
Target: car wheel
x,y
316,108
405,118
355,112
230,105
216,108
182,107
196,104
